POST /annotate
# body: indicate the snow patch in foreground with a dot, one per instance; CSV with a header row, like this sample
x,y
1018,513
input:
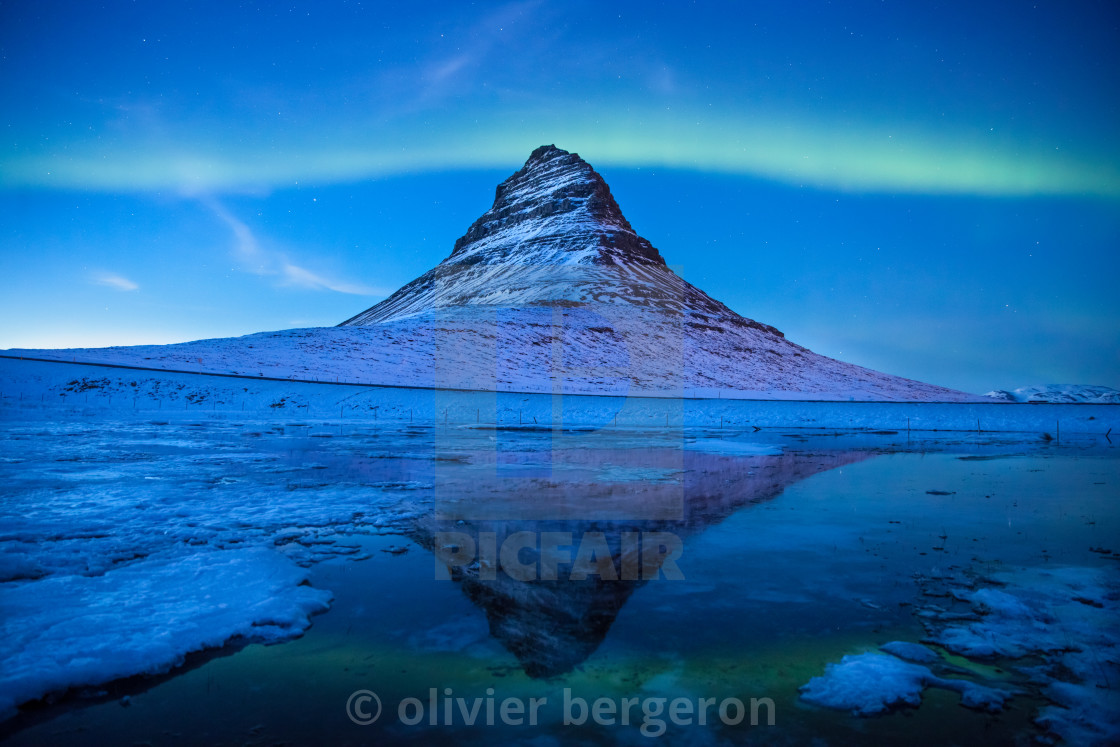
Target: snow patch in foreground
x,y
1053,628
1065,617
69,631
872,683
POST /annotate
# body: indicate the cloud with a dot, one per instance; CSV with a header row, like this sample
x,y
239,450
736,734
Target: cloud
x,y
445,69
481,47
303,278
260,261
245,244
114,281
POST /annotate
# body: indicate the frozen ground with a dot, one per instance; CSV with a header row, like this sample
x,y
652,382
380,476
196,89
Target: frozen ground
x,y
125,546
85,628
1060,627
51,389
1053,627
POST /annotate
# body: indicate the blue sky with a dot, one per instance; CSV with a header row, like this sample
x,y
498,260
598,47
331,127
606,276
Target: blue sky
x,y
927,189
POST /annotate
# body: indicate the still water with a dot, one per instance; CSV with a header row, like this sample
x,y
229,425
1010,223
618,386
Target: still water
x,y
776,555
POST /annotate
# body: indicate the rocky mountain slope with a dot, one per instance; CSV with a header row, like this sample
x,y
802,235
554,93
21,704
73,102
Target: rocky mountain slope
x,y
554,279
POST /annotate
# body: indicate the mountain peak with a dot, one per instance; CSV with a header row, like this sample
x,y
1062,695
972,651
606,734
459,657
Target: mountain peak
x,y
547,151
555,210
553,283
554,235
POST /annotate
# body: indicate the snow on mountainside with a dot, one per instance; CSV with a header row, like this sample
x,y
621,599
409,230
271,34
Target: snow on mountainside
x,y
554,236
551,290
556,247
1063,393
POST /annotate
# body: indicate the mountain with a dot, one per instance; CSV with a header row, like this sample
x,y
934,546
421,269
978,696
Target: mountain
x,y
551,290
555,258
554,236
1058,393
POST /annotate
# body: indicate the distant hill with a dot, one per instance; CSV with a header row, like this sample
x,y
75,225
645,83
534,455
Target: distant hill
x,y
1059,393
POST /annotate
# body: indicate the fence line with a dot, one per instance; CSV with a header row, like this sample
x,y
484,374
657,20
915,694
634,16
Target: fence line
x,y
645,417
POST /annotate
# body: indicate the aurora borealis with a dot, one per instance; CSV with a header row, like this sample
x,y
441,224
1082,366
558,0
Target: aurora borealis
x,y
931,191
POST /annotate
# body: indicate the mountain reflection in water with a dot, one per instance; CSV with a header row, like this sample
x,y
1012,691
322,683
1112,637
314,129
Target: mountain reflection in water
x,y
553,625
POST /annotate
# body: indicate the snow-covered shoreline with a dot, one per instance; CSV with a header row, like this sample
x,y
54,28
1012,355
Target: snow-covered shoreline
x,y
30,389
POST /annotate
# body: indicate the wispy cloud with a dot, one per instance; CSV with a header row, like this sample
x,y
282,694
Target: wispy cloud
x,y
114,281
268,263
469,61
245,245
303,278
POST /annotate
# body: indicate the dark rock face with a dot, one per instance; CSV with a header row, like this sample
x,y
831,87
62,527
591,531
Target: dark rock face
x,y
557,185
554,236
555,251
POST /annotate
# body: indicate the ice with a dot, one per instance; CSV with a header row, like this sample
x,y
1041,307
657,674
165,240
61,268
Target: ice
x,y
867,684
1000,604
911,652
1082,714
976,697
1057,606
143,618
96,556
873,683
1065,616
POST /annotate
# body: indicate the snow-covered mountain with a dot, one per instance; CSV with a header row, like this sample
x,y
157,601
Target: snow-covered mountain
x,y
551,290
554,237
555,268
1064,393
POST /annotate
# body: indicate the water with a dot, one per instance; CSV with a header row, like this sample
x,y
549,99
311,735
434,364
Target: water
x,y
795,551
